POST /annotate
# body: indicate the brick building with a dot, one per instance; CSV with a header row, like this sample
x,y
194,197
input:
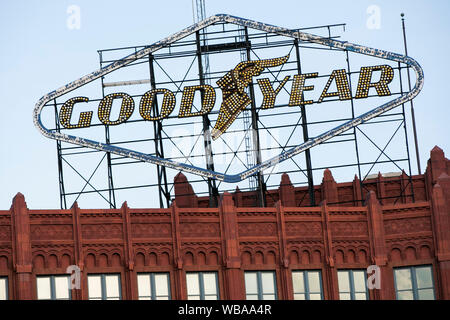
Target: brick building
x,y
286,250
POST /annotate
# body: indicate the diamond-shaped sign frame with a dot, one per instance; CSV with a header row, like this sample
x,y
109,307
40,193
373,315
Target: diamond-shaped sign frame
x,y
224,18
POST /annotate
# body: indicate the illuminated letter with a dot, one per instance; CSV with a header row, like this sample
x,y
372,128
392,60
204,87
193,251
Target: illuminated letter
x,y
187,99
66,113
298,87
126,109
268,93
148,102
365,78
343,89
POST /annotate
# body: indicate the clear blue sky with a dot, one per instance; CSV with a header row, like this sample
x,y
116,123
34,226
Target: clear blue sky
x,y
40,53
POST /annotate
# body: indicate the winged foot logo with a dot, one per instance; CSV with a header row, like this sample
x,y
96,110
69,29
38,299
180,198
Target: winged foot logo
x,y
233,86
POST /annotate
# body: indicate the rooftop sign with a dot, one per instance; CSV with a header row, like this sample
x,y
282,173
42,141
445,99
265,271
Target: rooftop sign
x,y
234,98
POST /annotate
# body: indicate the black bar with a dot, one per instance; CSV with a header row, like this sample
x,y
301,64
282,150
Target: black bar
x,y
223,46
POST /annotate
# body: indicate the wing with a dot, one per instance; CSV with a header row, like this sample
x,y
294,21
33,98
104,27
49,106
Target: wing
x,y
241,76
233,84
246,70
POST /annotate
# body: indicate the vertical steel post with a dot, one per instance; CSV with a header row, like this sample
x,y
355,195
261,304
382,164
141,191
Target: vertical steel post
x,y
163,189
349,73
62,192
312,196
406,132
416,144
261,188
212,188
249,156
112,197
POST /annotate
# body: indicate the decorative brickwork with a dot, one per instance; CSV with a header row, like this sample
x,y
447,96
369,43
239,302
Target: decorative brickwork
x,y
234,237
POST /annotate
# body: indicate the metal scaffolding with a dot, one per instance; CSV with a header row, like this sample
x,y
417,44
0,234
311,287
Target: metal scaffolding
x,y
205,48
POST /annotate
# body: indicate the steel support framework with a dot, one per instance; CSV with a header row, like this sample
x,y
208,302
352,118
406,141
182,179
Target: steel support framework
x,y
164,195
305,133
232,42
212,188
261,186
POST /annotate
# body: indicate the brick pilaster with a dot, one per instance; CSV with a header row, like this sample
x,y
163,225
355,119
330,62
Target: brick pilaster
x,y
233,276
22,257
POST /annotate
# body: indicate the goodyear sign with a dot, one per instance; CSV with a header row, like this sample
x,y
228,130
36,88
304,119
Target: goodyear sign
x,y
234,96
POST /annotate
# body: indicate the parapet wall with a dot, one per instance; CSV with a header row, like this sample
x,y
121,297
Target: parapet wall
x,y
233,238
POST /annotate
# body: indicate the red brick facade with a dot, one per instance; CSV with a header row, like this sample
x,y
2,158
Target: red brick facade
x,y
342,232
